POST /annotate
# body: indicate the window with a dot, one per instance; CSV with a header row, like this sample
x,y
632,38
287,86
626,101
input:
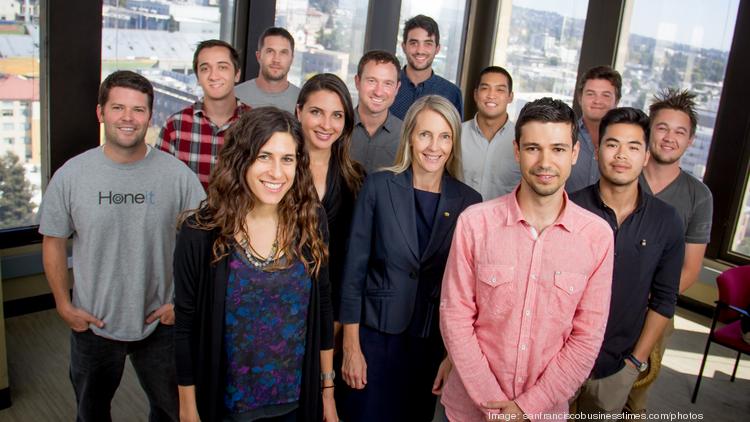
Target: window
x,y
328,37
449,15
20,178
539,43
688,50
158,39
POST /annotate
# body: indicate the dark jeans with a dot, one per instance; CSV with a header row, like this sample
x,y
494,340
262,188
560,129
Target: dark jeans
x,y
97,363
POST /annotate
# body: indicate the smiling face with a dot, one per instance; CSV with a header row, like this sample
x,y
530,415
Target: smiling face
x,y
216,73
322,118
271,175
622,154
377,87
670,136
493,95
275,58
431,143
420,49
597,98
125,116
546,154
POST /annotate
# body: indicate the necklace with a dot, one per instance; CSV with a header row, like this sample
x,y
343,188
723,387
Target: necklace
x,y
254,257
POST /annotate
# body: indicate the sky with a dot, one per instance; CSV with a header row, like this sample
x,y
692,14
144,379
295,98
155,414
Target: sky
x,y
701,23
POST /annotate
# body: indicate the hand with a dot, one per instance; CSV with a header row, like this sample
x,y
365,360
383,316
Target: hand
x,y
446,366
165,315
329,406
508,407
78,319
354,369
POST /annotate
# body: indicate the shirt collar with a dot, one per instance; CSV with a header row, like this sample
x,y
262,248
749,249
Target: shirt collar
x,y
475,125
405,78
566,219
389,124
199,109
642,198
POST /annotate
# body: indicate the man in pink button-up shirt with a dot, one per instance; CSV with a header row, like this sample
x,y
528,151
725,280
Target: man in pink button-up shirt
x,y
526,291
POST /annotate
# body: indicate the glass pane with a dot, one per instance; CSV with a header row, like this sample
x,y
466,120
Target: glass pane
x,y
539,43
328,37
20,151
741,239
449,14
157,40
687,50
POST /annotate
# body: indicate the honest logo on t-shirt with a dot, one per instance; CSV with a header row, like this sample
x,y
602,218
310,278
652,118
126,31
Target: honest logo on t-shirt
x,y
126,198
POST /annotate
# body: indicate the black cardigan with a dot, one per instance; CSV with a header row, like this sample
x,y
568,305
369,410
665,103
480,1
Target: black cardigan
x,y
200,291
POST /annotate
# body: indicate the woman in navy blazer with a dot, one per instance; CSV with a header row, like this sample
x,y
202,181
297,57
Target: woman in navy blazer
x,y
400,238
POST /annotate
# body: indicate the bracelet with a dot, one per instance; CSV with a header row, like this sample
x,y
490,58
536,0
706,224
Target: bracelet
x,y
327,376
327,386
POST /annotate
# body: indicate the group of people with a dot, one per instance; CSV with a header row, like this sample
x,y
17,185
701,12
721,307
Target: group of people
x,y
283,255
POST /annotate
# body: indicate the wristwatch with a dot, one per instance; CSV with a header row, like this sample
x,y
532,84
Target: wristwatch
x,y
327,376
640,366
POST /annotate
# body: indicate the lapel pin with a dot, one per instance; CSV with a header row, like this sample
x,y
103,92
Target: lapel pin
x,y
643,242
447,214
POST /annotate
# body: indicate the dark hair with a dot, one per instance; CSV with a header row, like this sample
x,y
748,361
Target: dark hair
x,y
275,31
628,115
424,22
350,169
675,99
126,79
606,73
230,199
378,56
547,110
216,43
496,69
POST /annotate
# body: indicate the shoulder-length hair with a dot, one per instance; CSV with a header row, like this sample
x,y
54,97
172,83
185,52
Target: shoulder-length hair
x,y
230,199
442,107
351,170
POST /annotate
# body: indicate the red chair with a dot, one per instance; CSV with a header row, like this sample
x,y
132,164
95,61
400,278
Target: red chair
x,y
734,297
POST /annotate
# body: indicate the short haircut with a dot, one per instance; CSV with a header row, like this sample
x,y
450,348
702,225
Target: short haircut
x,y
216,43
606,73
626,115
126,79
379,57
675,99
547,110
424,22
275,31
496,69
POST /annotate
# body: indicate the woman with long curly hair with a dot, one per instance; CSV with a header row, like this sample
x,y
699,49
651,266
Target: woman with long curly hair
x,y
324,109
254,327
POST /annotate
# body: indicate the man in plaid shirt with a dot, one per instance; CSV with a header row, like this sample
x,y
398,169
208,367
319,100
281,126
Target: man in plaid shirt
x,y
195,134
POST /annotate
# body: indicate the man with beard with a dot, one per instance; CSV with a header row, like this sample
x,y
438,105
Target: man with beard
x,y
649,247
271,87
421,43
526,289
673,124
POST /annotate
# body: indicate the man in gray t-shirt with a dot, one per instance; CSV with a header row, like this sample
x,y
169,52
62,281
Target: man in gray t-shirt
x,y
271,87
120,203
673,125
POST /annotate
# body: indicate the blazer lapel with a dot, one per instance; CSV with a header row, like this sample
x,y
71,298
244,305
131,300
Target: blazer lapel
x,y
449,206
402,199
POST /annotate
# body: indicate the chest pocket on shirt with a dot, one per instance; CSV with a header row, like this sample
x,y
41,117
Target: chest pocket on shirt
x,y
565,294
495,288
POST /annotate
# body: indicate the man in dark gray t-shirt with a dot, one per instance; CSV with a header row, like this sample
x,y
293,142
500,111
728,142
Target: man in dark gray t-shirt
x,y
673,125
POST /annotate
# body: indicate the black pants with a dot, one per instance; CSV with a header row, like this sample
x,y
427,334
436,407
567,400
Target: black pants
x,y
400,372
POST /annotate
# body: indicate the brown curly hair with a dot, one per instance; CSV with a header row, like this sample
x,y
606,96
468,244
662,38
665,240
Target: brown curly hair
x,y
230,199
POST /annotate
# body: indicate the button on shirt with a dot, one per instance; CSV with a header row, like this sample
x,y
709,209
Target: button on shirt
x,y
649,249
194,139
586,169
378,150
523,313
490,166
408,93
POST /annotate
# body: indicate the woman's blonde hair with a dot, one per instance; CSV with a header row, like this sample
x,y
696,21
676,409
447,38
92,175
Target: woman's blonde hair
x,y
442,107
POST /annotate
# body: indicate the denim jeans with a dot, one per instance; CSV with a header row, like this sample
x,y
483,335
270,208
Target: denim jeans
x,y
97,363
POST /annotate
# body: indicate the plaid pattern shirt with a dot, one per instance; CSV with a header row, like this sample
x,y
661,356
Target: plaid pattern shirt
x,y
194,139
